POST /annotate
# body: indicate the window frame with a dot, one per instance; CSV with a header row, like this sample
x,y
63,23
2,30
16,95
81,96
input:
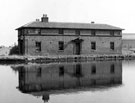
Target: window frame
x,y
61,31
38,46
61,45
93,45
77,32
33,31
112,45
93,32
111,33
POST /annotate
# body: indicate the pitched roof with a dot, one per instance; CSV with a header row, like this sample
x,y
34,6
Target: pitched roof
x,y
39,24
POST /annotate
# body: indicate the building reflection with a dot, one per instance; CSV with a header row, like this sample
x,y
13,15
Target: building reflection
x,y
45,79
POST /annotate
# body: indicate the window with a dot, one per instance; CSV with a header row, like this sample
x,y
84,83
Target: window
x,y
93,45
112,33
93,32
77,32
112,69
61,31
38,46
112,45
61,45
93,69
119,33
33,31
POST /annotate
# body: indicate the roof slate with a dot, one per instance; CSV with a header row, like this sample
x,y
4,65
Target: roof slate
x,y
39,24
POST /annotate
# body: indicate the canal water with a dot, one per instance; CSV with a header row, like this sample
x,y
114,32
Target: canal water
x,y
91,82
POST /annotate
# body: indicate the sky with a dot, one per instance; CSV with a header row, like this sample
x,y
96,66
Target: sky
x,y
15,13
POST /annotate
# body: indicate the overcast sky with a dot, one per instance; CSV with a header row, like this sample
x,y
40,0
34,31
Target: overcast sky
x,y
15,13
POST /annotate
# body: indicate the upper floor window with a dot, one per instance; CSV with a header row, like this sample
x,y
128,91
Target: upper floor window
x,y
61,45
112,45
61,31
93,32
118,33
33,31
77,32
93,45
38,46
112,33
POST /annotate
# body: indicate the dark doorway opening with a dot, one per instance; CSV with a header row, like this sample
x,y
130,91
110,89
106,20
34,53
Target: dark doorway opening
x,y
77,45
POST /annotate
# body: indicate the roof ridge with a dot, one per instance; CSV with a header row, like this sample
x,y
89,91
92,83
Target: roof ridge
x,y
74,22
74,25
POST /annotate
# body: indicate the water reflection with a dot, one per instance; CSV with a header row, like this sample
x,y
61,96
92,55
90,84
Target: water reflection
x,y
45,79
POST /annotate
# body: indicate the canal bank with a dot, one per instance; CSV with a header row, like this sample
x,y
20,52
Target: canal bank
x,y
69,58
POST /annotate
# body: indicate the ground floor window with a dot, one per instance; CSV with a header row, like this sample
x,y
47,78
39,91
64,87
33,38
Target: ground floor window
x,y
38,46
93,45
112,45
61,45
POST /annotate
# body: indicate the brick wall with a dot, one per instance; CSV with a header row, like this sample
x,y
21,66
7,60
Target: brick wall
x,y
49,45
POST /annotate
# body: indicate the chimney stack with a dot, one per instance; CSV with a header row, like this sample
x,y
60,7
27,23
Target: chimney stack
x,y
44,18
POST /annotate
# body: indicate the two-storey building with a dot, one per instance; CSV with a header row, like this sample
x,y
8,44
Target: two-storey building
x,y
60,38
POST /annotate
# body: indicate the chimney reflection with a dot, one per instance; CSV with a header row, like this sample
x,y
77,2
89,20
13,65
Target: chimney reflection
x,y
44,78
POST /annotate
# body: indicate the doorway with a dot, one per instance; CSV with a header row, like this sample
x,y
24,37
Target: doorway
x,y
77,46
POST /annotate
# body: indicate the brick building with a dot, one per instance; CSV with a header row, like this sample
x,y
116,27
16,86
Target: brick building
x,y
59,38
